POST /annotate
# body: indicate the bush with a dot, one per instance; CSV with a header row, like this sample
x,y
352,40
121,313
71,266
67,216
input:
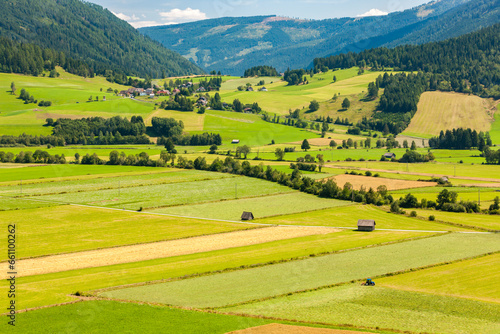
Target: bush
x,y
413,214
376,175
432,218
368,173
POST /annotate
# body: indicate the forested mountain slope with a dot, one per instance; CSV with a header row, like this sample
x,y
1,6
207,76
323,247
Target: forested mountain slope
x,y
88,32
235,44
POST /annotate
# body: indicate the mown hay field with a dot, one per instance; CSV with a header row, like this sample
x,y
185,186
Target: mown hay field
x,y
348,217
56,288
473,279
257,283
446,111
379,307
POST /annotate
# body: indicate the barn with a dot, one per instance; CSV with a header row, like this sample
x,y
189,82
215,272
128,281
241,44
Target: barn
x,y
367,225
247,216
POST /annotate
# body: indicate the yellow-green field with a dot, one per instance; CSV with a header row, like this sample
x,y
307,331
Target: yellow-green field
x,y
446,111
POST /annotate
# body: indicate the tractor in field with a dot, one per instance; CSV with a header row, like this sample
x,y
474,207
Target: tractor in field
x,y
369,282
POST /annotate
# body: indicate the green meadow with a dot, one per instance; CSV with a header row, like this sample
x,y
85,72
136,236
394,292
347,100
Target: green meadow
x,y
257,283
69,228
473,279
380,308
348,216
56,288
263,206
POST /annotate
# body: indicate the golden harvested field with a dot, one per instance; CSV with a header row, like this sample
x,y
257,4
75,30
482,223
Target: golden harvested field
x,y
366,181
442,111
289,329
156,250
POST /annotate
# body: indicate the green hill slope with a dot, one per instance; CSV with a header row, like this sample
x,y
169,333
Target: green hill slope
x,y
88,32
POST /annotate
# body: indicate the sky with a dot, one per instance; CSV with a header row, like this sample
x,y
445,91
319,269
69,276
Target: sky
x,y
161,12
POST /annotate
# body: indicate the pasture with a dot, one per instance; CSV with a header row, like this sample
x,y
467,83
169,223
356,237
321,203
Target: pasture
x,y
263,206
472,279
381,308
49,289
348,217
257,283
446,111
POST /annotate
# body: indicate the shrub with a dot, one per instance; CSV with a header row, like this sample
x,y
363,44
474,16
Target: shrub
x,y
413,214
432,218
368,173
376,175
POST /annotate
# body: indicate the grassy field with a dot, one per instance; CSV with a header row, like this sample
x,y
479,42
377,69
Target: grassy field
x,y
18,172
473,279
250,129
252,284
7,203
495,128
105,182
280,97
55,288
491,222
108,316
446,111
378,307
263,206
65,229
161,195
349,216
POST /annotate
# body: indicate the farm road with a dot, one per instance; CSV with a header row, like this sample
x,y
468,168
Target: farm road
x,y
156,250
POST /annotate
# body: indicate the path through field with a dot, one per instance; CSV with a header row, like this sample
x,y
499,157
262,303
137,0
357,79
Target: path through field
x,y
289,329
156,250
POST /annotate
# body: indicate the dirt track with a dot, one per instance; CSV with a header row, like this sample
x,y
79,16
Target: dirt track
x,y
136,253
392,184
289,329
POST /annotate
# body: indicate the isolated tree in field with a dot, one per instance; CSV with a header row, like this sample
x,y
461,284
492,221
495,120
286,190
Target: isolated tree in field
x,y
405,143
368,142
350,143
332,144
346,103
305,145
213,149
237,105
314,105
77,158
413,146
496,204
372,91
243,150
324,129
13,88
169,146
321,161
334,78
446,196
279,153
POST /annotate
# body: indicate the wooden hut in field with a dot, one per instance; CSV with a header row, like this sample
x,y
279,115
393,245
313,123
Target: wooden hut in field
x,y
247,216
366,225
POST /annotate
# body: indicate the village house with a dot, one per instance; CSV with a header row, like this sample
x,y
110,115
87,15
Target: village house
x,y
366,225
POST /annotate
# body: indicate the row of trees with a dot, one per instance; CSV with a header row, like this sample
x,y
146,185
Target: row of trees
x,y
178,102
261,71
461,139
193,140
29,157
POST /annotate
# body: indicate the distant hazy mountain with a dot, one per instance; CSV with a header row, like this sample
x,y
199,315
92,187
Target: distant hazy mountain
x,y
88,32
235,44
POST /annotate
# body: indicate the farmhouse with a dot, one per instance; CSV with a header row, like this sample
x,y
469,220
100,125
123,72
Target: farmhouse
x,y
247,216
367,225
249,89
389,155
263,89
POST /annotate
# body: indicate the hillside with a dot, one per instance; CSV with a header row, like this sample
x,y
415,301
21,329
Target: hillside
x,y
235,44
440,111
88,32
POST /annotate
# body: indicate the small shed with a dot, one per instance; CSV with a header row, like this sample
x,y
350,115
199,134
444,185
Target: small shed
x,y
247,216
235,141
366,225
389,155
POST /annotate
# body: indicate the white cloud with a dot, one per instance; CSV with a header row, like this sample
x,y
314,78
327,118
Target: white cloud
x,y
122,16
142,24
177,15
373,12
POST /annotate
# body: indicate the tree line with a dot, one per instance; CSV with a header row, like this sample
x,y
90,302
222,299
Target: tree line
x,y
461,139
261,71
